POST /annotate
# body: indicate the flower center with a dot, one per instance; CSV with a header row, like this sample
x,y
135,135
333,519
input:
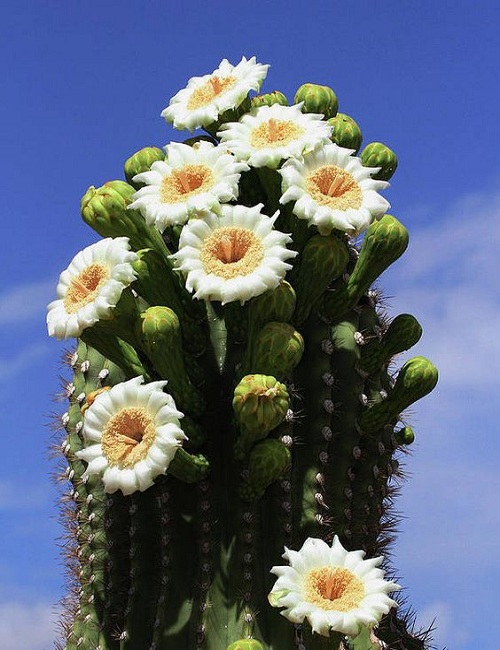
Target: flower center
x,y
334,589
209,91
184,182
231,252
85,287
333,186
275,133
127,436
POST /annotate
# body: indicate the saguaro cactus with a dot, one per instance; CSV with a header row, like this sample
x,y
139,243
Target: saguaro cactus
x,y
235,421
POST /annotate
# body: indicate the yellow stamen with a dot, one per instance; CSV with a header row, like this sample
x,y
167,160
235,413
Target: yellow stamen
x,y
231,252
208,91
127,436
275,133
334,588
184,182
84,288
333,186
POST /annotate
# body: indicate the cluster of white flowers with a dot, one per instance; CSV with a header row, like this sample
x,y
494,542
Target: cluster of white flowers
x,y
226,252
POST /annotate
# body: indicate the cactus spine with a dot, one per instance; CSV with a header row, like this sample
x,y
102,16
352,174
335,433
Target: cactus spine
x,y
292,416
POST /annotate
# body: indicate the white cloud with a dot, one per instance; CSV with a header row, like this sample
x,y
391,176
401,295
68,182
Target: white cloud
x,y
448,630
26,301
23,359
27,627
450,279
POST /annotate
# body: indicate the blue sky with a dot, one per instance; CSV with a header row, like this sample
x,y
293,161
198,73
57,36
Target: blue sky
x,y
83,86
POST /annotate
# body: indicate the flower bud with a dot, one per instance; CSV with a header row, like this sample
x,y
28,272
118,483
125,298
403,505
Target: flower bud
x,y
268,460
278,349
141,161
346,132
377,154
260,404
317,99
268,99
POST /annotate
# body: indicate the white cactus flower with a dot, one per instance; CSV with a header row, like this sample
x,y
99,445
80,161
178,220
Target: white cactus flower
x,y
131,433
332,189
233,257
90,288
334,589
205,98
191,181
269,134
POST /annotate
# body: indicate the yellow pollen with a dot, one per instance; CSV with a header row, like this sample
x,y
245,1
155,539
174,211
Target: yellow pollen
x,y
231,252
184,182
333,186
85,287
275,133
127,436
335,589
212,88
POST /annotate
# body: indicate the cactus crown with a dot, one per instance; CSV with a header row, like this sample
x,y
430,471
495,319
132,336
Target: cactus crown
x,y
232,406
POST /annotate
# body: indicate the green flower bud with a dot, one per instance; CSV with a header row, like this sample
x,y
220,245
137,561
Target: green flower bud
x,y
141,161
346,132
268,460
317,99
260,404
105,209
268,99
150,266
377,154
246,644
188,468
276,304
160,335
405,436
278,349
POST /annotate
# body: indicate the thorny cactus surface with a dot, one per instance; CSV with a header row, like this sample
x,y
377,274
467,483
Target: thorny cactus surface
x,y
234,413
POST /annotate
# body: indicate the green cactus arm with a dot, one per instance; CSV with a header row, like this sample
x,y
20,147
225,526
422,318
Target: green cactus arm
x,y
417,378
384,242
403,333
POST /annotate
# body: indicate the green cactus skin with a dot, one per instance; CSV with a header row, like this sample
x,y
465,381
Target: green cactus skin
x,y
323,259
317,99
185,565
141,161
346,132
377,154
268,99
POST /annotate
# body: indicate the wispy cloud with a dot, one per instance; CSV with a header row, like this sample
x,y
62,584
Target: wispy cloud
x,y
9,368
26,301
450,278
448,629
27,627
